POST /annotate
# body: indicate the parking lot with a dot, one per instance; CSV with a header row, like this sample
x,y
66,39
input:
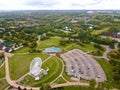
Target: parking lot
x,y
81,65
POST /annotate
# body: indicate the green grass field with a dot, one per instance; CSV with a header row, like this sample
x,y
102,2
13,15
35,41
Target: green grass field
x,y
88,47
22,50
55,67
2,72
49,42
97,32
60,80
19,64
85,47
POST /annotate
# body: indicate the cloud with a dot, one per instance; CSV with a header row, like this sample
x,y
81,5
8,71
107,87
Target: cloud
x,y
62,4
58,4
41,3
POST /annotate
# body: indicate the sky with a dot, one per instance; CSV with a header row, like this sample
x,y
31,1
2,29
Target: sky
x,y
59,4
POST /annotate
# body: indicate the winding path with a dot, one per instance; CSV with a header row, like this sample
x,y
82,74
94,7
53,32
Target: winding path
x,y
108,49
2,64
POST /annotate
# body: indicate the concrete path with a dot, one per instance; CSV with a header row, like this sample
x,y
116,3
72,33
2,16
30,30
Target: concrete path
x,y
108,49
2,65
21,78
70,84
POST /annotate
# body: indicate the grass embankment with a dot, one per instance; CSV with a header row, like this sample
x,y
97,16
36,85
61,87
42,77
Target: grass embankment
x,y
97,32
49,42
60,80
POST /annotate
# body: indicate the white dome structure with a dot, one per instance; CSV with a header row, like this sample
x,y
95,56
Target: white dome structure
x,y
35,66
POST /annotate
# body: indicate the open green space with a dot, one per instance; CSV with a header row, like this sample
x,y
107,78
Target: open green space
x,y
3,84
55,67
19,63
86,47
22,50
2,72
97,32
60,80
49,42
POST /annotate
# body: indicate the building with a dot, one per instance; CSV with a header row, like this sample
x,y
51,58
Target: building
x,y
1,41
35,68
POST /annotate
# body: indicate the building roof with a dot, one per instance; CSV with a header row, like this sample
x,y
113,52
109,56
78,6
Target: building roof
x,y
7,49
1,47
35,66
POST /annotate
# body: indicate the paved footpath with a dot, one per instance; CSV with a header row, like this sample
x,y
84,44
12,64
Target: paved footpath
x,y
70,84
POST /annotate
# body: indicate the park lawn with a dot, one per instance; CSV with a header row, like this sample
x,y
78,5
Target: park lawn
x,y
60,80
49,42
97,32
88,47
20,63
3,84
71,46
2,72
55,68
85,47
117,20
22,50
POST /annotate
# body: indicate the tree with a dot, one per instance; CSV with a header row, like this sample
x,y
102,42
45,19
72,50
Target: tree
x,y
19,88
45,86
92,83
